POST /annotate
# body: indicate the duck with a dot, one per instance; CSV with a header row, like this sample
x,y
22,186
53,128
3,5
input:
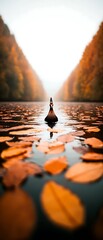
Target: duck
x,y
51,117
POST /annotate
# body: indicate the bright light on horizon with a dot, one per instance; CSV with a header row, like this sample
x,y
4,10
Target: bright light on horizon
x,y
53,40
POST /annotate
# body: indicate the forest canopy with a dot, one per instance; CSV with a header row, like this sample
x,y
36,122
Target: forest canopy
x,y
85,83
18,81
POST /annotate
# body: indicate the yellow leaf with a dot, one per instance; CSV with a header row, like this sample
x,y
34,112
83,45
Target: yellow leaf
x,y
62,206
85,172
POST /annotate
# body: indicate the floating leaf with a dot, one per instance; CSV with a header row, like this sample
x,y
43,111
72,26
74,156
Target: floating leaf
x,y
85,172
19,143
94,142
81,149
92,129
5,138
66,138
18,172
62,206
56,165
25,132
92,156
14,151
54,130
78,133
51,148
12,160
30,138
17,215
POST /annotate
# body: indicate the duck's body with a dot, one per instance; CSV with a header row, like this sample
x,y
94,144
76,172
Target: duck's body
x,y
51,117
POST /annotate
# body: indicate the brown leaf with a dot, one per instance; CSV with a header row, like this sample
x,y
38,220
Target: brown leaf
x,y
56,165
94,142
62,206
81,149
31,131
92,156
19,143
30,138
12,160
14,151
92,129
18,172
78,133
66,138
85,172
17,215
51,148
5,138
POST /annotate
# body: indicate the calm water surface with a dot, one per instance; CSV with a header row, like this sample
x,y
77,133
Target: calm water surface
x,y
72,117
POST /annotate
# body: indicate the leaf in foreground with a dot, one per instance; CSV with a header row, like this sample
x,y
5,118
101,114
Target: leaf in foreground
x,y
17,215
56,165
92,156
17,173
62,206
85,172
94,142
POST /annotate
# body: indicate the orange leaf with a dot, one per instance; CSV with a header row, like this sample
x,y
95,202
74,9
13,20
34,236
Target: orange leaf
x,y
92,129
85,172
66,138
17,215
62,206
94,142
56,165
5,138
51,148
14,151
92,156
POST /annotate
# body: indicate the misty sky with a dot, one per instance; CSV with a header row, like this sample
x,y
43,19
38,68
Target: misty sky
x,y
52,33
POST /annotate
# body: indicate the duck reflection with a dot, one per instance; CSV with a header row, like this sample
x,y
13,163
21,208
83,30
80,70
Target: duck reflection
x,y
51,118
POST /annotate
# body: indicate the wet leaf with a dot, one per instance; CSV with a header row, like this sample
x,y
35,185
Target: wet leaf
x,y
30,138
18,172
54,130
85,172
66,138
92,156
25,132
94,142
51,148
62,206
81,149
56,165
19,143
14,151
92,129
12,160
5,138
17,215
78,133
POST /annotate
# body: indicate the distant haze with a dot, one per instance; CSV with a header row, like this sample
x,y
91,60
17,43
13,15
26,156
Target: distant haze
x,y
53,34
